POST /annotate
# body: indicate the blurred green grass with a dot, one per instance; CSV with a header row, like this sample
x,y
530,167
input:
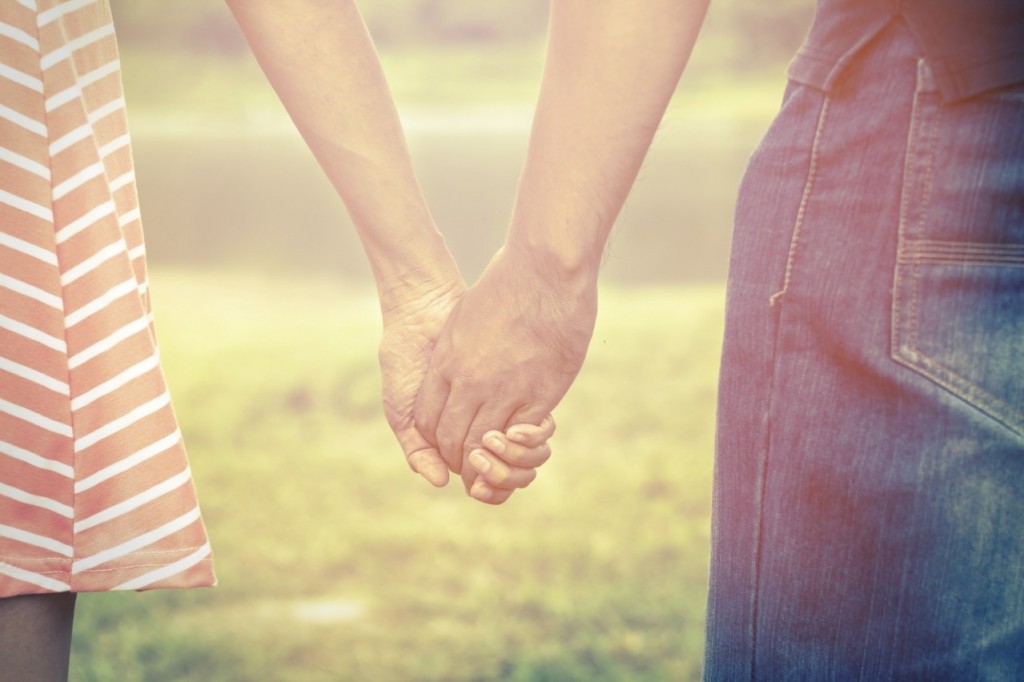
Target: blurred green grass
x,y
186,90
225,180
336,563
200,89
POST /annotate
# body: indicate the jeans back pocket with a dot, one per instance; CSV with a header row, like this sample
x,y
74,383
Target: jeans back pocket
x,y
958,298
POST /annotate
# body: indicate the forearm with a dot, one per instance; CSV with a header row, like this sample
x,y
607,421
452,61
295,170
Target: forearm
x,y
320,59
611,68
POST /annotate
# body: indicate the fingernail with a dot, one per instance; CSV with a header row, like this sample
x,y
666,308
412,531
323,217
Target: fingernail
x,y
480,491
495,444
517,433
479,462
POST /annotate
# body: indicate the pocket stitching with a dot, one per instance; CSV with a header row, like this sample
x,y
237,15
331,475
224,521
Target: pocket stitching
x,y
812,172
917,252
963,388
905,349
907,352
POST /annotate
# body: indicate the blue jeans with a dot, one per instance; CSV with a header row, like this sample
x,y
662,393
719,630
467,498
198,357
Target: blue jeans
x,y
869,481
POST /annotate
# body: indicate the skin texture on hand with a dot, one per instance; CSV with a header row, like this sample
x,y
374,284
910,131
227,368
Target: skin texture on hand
x,y
509,460
410,334
517,339
407,343
510,350
321,60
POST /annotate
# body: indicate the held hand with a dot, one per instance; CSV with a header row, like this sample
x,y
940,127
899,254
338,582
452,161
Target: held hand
x,y
411,329
508,353
509,461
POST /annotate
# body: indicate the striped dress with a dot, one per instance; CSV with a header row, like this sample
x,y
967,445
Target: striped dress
x,y
95,490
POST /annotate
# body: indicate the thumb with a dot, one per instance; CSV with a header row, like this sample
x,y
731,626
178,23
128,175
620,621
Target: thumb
x,y
423,458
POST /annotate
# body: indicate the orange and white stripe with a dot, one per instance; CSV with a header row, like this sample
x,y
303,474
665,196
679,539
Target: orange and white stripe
x,y
95,489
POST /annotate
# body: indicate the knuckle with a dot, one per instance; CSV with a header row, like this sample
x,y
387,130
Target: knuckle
x,y
422,416
422,424
472,442
498,475
536,456
543,452
516,455
447,441
462,381
445,432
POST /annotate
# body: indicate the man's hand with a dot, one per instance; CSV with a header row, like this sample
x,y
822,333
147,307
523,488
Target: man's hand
x,y
516,341
411,329
511,348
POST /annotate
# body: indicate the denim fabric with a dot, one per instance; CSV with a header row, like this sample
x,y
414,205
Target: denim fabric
x,y
869,481
971,45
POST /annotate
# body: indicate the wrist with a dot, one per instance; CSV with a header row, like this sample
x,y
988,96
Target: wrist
x,y
565,265
407,287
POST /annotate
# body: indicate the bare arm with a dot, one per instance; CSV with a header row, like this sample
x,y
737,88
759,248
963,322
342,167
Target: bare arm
x,y
516,341
320,59
611,68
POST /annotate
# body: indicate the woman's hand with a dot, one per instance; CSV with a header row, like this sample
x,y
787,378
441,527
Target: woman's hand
x,y
412,323
509,460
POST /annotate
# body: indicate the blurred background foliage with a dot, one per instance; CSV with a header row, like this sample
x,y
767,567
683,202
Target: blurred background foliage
x,y
335,562
743,33
215,149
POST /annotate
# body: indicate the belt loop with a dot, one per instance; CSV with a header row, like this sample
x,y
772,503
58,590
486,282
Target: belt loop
x,y
925,78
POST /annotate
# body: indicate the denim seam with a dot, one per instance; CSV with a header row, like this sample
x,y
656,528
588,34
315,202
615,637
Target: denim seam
x,y
905,230
802,210
964,388
910,203
763,468
762,477
926,191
